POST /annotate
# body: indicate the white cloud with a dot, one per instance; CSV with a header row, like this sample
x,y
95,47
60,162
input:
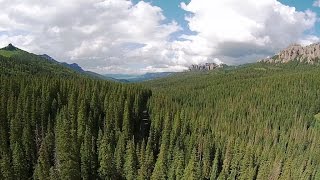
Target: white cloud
x,y
93,33
233,30
109,36
316,3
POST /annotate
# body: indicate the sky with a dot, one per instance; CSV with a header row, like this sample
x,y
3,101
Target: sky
x,y
135,37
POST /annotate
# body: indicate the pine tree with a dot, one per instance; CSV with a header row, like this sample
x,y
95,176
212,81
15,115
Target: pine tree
x,y
67,156
44,164
127,121
192,169
130,166
147,164
29,145
206,167
106,168
86,155
82,115
6,167
161,166
119,158
19,162
215,165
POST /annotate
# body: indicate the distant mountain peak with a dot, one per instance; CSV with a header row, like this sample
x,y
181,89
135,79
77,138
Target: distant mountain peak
x,y
307,54
10,47
73,66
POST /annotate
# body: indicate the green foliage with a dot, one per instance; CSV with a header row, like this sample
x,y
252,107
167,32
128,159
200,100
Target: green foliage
x,y
130,165
246,116
258,121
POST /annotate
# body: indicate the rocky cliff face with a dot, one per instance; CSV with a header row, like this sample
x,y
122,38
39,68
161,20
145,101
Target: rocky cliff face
x,y
204,67
307,54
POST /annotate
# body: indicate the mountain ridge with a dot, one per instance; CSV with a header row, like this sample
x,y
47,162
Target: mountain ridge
x,y
304,54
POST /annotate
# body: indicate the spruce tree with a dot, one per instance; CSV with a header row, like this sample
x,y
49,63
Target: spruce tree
x,y
44,163
106,161
215,165
191,171
19,162
130,165
68,164
86,155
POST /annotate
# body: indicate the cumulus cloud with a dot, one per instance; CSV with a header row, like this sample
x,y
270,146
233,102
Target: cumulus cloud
x,y
241,31
112,36
94,33
316,3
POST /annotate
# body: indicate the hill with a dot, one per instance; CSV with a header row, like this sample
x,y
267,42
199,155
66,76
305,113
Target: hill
x,y
15,61
255,121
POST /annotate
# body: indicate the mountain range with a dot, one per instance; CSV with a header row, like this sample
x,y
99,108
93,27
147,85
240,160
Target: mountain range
x,y
255,121
138,78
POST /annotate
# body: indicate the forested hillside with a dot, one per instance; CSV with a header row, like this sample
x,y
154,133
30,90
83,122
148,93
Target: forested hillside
x,y
252,122
259,121
53,128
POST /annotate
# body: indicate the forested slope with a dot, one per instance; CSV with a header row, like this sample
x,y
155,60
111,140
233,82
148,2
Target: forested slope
x,y
55,128
252,122
259,121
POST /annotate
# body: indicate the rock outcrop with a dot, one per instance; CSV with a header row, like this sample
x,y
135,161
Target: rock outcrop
x,y
306,54
204,67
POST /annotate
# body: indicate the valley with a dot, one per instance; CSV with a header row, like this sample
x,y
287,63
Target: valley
x,y
254,121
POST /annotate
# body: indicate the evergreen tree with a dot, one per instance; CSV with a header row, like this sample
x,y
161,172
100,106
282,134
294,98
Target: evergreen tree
x,y
106,168
19,162
86,155
192,169
119,158
68,164
44,164
215,165
130,166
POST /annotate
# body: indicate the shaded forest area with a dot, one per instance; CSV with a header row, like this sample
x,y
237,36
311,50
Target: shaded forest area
x,y
253,122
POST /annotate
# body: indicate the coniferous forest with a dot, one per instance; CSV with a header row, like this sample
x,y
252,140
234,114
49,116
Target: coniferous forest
x,y
258,121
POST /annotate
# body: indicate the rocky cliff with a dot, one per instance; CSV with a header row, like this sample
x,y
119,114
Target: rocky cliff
x,y
204,67
307,54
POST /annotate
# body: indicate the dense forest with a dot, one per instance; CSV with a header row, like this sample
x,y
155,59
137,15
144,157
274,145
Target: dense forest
x,y
257,121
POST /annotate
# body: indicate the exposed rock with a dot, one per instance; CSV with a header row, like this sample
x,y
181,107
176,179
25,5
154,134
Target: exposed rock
x,y
204,67
308,54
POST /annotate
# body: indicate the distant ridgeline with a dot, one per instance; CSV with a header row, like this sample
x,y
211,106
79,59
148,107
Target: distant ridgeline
x,y
205,67
308,54
16,61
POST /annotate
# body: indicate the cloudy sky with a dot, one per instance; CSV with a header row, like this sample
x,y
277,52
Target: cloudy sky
x,y
123,36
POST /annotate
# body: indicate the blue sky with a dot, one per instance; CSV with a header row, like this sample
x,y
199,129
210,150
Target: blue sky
x,y
303,5
172,11
123,36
